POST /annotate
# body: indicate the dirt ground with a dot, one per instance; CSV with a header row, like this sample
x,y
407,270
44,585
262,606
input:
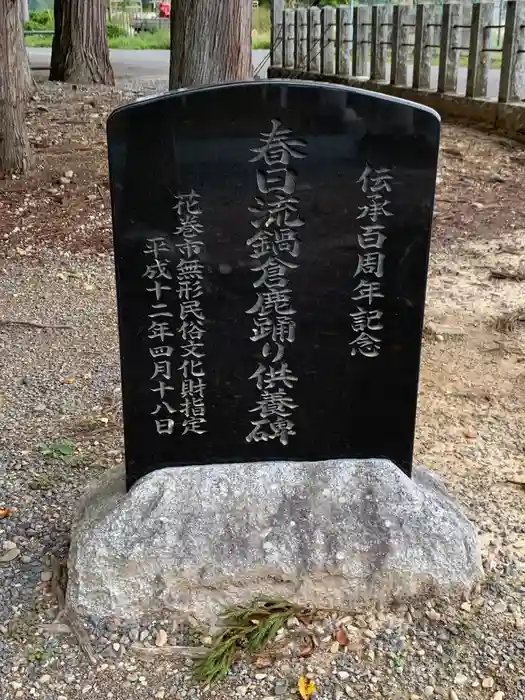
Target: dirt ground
x,y
61,380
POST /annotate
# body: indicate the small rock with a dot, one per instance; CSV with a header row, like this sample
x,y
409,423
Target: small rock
x,y
133,677
466,606
45,678
9,545
498,695
460,679
69,174
63,180
334,649
260,676
116,646
495,177
369,634
133,634
160,694
452,695
9,555
433,615
343,675
207,641
500,607
46,576
15,685
143,635
429,691
348,690
242,690
488,682
280,687
161,638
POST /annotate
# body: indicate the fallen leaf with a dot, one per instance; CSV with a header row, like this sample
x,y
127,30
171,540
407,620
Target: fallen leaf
x,y
341,637
69,380
5,512
308,649
262,661
305,687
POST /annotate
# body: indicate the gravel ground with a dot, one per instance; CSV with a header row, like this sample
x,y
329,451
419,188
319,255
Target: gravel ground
x,y
59,393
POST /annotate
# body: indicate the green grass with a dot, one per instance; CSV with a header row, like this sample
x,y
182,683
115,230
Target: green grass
x,y
142,40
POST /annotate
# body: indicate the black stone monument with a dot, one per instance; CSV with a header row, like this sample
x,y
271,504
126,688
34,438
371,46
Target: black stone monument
x,y
271,246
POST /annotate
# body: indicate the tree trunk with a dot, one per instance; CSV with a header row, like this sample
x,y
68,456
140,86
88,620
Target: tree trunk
x,y
210,42
80,51
15,151
56,71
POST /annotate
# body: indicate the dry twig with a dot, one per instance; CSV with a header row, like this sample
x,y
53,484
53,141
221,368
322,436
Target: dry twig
x,y
32,324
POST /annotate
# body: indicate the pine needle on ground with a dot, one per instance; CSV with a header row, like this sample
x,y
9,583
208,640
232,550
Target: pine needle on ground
x,y
249,628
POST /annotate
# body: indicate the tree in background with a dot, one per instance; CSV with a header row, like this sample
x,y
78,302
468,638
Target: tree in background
x,y
210,42
15,86
80,51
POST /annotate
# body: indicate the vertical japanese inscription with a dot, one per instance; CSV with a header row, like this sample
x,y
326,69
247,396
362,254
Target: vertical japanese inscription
x,y
275,250
190,246
366,319
160,330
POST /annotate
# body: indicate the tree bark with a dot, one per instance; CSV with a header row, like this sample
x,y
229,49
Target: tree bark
x,y
15,81
56,71
210,42
80,51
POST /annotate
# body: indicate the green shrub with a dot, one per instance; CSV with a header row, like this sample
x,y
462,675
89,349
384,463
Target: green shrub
x,y
40,20
115,30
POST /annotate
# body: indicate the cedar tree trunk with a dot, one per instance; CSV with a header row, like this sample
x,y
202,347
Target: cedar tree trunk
x,y
80,51
15,82
210,42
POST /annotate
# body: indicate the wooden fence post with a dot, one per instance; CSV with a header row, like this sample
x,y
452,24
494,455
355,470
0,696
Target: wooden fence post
x,y
478,63
342,41
398,69
301,36
314,40
360,42
448,52
422,60
276,34
328,40
378,48
289,38
512,76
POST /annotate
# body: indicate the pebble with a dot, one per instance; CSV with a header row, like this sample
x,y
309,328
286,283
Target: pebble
x,y
433,615
160,694
280,688
45,678
488,682
429,691
466,606
334,649
9,555
343,675
242,690
498,695
133,677
260,676
460,679
500,607
46,576
453,695
161,638
9,545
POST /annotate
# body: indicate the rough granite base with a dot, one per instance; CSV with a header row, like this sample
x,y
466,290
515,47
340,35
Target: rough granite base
x,y
335,533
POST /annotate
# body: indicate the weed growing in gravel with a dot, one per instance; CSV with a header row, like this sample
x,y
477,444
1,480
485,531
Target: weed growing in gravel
x,y
61,449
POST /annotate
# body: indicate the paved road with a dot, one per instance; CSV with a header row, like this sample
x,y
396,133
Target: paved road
x,y
154,65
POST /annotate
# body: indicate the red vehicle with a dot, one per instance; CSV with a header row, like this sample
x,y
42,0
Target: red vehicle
x,y
164,9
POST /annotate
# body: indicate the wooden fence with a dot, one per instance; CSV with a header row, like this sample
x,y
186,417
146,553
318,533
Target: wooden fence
x,y
398,45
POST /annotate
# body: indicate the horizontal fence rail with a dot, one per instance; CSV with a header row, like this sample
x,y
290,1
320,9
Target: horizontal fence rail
x,y
421,47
